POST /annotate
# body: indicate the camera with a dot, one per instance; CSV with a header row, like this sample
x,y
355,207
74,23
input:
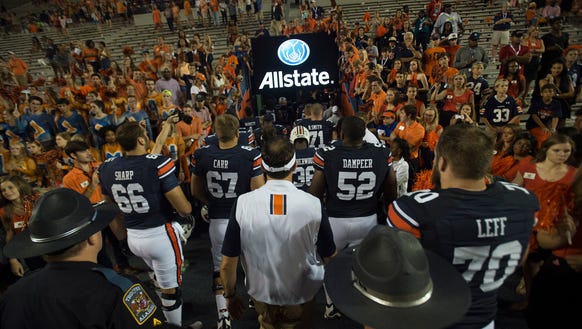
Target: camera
x,y
459,116
181,116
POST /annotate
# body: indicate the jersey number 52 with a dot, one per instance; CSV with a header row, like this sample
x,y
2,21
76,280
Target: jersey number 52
x,y
354,186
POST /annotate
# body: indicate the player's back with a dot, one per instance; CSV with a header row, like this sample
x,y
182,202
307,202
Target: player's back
x,y
320,131
484,234
305,169
226,174
353,177
137,184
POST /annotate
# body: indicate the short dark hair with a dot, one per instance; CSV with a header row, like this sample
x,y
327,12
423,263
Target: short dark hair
x,y
127,134
353,128
62,101
410,111
467,149
75,146
277,152
35,98
226,127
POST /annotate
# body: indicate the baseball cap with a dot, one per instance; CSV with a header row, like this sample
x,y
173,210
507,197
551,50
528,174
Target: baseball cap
x,y
200,97
453,36
200,76
474,36
389,114
299,132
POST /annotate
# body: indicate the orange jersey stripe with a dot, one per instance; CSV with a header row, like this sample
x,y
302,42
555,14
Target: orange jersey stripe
x,y
400,223
257,162
318,161
176,248
166,168
278,206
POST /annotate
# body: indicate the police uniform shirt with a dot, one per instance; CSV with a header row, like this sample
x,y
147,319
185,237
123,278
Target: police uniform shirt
x,y
305,169
73,295
226,174
483,234
320,131
353,178
281,232
500,113
137,184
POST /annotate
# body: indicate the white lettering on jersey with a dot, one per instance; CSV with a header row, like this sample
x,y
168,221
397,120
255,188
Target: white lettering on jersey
x,y
491,227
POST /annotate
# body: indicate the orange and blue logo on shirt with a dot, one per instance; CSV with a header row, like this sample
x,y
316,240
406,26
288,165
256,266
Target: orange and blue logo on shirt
x,y
278,204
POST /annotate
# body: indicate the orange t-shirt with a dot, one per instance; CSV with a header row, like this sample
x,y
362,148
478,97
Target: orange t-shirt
x,y
413,134
79,181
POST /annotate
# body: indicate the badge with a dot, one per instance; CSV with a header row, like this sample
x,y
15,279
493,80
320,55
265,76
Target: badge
x,y
139,304
85,184
401,128
529,175
19,224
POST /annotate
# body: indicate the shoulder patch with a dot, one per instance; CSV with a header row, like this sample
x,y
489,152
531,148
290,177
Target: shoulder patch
x,y
245,147
138,303
152,156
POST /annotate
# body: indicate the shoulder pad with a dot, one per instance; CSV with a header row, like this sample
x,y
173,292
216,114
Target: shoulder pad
x,y
109,160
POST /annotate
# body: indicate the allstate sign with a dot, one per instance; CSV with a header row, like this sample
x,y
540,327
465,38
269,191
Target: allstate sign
x,y
305,61
293,52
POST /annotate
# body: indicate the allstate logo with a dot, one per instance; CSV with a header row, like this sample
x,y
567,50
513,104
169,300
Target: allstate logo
x,y
293,52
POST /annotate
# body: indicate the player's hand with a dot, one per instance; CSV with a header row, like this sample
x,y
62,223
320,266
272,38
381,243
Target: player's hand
x,y
16,267
235,307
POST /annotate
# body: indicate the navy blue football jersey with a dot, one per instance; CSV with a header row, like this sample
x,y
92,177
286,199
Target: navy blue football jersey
x,y
226,174
249,124
305,169
353,178
137,184
484,234
500,113
319,131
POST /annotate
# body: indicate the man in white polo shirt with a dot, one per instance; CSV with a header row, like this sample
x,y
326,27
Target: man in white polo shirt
x,y
285,238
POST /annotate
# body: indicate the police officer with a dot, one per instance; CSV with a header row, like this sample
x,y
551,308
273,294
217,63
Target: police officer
x,y
72,291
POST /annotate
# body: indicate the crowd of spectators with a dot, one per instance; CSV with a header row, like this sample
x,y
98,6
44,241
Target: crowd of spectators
x,y
408,75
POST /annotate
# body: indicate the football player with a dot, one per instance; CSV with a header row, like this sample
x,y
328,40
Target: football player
x,y
483,230
220,173
304,153
146,190
319,129
357,178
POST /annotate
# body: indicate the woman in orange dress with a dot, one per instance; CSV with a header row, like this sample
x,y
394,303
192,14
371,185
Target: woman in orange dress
x,y
549,178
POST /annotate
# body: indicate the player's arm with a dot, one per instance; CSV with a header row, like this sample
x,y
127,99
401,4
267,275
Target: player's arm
x,y
397,218
317,184
257,182
178,200
389,187
116,225
163,135
197,189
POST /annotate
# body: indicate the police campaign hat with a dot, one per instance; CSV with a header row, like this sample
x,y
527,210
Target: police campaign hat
x,y
390,281
60,219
